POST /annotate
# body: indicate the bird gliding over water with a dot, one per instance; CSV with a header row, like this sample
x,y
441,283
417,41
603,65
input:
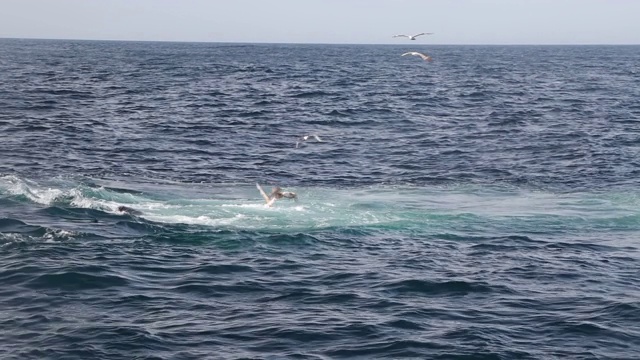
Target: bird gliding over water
x,y
307,137
415,53
411,37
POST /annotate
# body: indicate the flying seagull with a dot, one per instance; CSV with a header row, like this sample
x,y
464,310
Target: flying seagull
x,y
411,37
423,56
307,137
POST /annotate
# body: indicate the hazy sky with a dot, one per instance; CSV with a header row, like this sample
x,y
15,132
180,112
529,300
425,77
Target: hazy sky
x,y
327,21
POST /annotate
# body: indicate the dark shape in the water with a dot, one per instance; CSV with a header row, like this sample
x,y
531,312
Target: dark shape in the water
x,y
128,210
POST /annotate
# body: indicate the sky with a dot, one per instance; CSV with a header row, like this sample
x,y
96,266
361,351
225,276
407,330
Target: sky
x,y
326,21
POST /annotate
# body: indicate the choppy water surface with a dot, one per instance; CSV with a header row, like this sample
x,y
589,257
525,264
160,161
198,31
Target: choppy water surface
x,y
481,206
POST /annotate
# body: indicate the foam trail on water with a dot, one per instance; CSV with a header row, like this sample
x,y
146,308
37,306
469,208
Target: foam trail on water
x,y
417,209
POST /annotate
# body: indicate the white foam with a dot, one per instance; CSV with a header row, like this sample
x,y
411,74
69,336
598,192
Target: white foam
x,y
10,238
193,220
16,186
251,206
52,235
79,200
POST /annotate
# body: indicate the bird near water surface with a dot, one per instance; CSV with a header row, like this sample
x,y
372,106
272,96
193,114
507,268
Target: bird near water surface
x,y
422,56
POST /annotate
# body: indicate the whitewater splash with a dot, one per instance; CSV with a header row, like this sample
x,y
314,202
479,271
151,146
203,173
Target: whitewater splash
x,y
245,211
463,209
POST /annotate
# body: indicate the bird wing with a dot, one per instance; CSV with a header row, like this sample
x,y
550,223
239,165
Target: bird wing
x,y
317,138
424,57
267,199
422,34
410,53
400,35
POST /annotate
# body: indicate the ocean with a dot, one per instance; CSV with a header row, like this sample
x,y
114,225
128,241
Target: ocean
x,y
485,205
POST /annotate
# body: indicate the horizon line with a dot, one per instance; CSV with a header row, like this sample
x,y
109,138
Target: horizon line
x,y
320,43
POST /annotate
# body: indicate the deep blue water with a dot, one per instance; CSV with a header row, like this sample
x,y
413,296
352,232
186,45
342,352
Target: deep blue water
x,y
485,205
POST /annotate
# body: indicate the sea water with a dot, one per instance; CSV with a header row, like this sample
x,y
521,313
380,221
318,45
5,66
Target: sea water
x,y
481,206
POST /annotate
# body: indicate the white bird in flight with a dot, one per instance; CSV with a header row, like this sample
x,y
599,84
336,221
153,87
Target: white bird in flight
x,y
415,53
411,37
307,137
